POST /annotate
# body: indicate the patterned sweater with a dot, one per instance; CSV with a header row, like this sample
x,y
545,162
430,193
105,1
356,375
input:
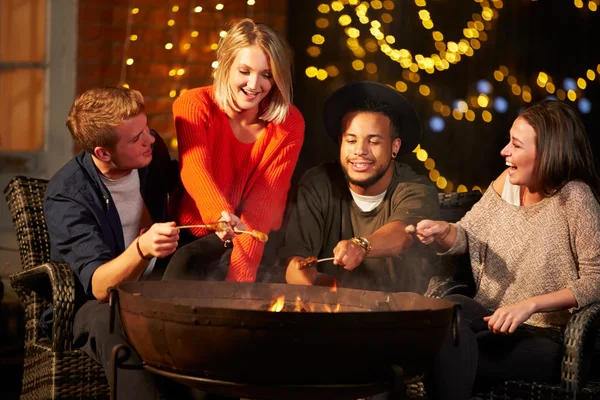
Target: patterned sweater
x,y
520,252
220,173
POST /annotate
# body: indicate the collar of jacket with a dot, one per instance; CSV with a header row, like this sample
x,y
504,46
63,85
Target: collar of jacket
x,y
88,164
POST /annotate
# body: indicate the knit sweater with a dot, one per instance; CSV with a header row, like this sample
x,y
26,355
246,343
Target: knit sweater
x,y
220,173
518,252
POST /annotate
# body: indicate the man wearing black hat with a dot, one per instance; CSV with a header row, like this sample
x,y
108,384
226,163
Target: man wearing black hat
x,y
356,210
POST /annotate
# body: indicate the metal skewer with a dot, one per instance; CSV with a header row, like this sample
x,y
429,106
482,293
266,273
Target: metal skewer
x,y
261,237
192,226
326,259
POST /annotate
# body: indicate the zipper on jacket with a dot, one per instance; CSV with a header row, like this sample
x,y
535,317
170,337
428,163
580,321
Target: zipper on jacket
x,y
107,202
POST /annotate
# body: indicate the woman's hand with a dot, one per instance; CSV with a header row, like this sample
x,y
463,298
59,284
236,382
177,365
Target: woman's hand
x,y
233,221
427,230
505,320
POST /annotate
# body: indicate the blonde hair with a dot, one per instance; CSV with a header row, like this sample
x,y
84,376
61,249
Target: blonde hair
x,y
97,112
247,33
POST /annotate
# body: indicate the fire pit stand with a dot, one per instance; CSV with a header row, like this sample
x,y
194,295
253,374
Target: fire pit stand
x,y
391,382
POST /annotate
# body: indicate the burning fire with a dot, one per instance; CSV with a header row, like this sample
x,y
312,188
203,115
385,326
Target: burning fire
x,y
277,305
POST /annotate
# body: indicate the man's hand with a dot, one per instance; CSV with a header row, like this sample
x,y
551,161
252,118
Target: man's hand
x,y
348,254
160,240
505,320
234,222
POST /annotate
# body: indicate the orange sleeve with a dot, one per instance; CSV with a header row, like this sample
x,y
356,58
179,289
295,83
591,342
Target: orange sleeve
x,y
265,202
191,112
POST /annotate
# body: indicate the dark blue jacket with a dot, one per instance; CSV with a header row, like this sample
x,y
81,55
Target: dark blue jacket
x,y
83,223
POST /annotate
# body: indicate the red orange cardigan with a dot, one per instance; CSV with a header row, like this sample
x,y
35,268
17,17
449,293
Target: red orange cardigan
x,y
220,173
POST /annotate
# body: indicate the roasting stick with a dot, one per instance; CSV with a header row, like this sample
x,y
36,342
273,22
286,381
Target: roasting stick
x,y
312,261
326,259
219,226
261,237
223,226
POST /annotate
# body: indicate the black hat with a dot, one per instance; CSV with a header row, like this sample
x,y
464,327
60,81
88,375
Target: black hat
x,y
351,96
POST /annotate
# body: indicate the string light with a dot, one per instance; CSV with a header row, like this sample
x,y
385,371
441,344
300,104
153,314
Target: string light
x,y
179,72
449,52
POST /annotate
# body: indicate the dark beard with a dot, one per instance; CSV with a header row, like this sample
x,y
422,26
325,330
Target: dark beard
x,y
365,184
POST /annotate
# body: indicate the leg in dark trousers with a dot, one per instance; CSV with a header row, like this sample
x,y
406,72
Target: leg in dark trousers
x,y
529,354
455,367
92,336
201,259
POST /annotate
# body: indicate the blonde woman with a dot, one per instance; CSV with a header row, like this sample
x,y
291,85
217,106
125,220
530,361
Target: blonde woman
x,y
239,141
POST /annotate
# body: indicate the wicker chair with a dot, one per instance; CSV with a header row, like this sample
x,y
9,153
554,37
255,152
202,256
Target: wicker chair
x,y
581,361
51,369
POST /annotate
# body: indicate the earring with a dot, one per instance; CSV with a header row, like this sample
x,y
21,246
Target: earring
x,y
394,154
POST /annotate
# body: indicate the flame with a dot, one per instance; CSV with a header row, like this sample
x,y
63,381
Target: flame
x,y
278,304
334,287
332,310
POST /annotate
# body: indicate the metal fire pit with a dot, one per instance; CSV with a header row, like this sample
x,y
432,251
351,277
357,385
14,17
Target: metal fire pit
x,y
223,331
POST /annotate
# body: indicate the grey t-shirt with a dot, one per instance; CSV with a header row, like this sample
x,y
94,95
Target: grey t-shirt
x,y
132,211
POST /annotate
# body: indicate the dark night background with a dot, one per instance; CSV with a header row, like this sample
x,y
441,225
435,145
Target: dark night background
x,y
555,37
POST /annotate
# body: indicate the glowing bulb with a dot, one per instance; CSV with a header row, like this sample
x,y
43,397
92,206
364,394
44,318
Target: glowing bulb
x,y
135,10
180,71
311,72
173,93
321,74
171,22
318,39
215,64
194,34
223,34
198,9
483,100
129,61
169,46
133,38
323,8
175,8
251,2
487,116
219,7
441,182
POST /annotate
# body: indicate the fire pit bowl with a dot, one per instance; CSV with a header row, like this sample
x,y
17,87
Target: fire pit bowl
x,y
223,330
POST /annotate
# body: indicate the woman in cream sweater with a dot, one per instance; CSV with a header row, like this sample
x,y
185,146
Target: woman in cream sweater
x,y
534,245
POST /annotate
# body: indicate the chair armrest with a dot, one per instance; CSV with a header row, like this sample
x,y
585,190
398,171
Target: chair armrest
x,y
32,285
580,338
